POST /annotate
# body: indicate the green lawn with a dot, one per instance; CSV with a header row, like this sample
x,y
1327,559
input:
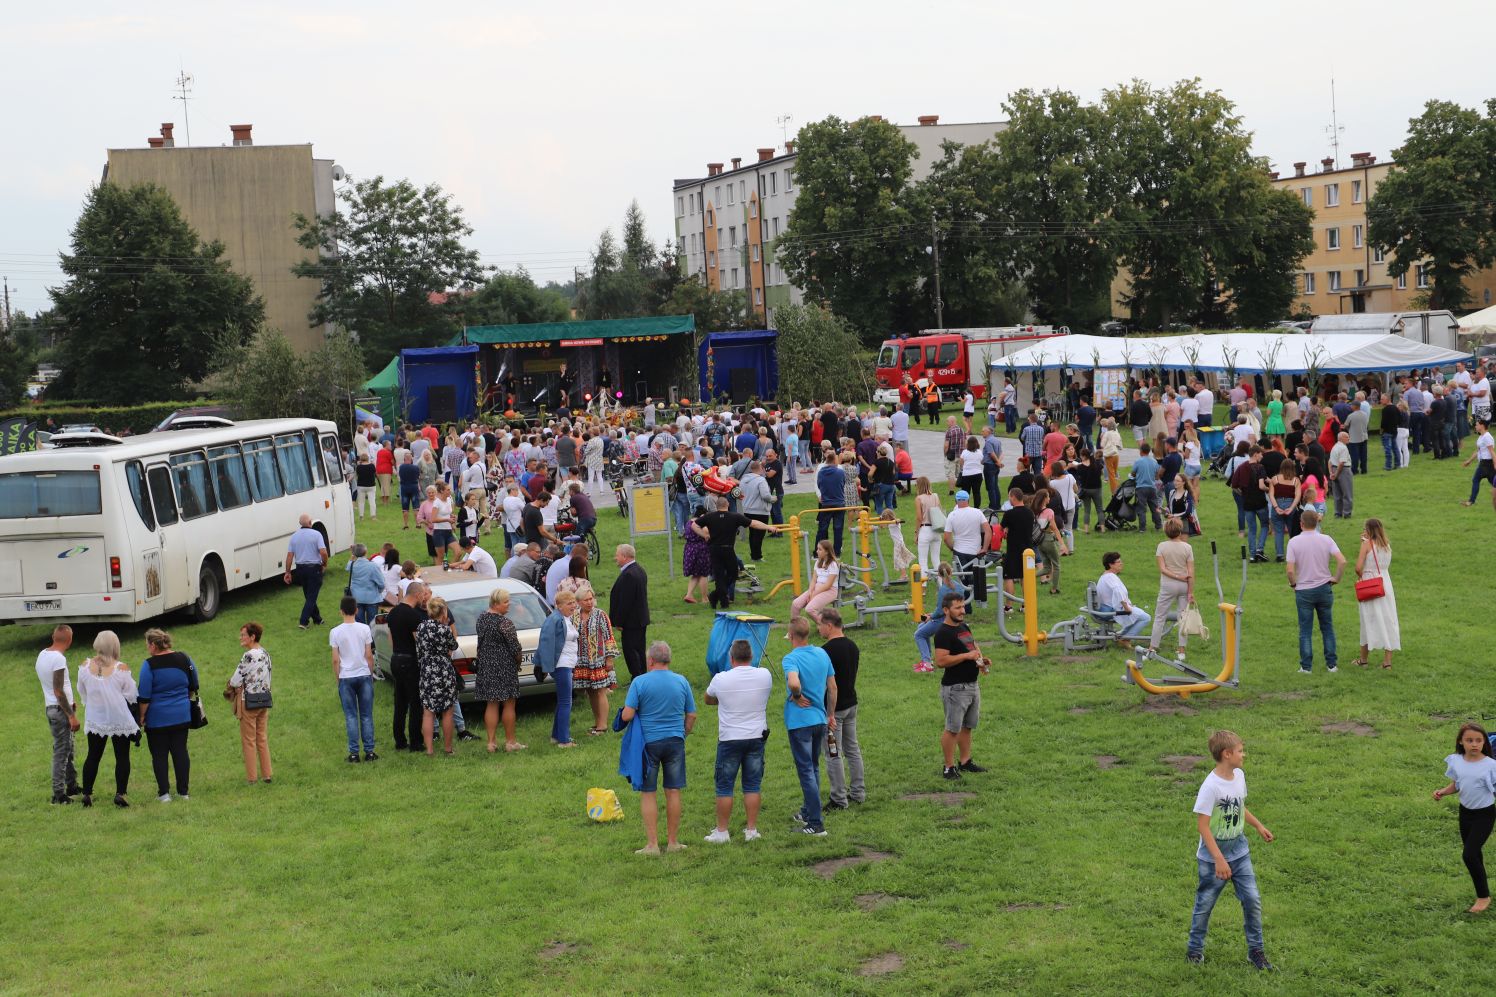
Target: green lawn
x,y
481,873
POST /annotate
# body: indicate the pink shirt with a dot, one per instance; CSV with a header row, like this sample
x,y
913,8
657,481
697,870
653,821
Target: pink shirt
x,y
1310,553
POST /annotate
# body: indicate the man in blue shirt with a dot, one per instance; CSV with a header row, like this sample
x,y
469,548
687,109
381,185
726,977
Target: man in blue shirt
x,y
1145,472
1170,464
831,483
306,556
812,700
666,711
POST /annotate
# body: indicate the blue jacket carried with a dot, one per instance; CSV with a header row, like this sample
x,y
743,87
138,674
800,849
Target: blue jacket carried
x,y
630,751
552,639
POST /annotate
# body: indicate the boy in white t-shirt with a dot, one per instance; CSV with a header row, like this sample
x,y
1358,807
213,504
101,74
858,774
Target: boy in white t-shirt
x,y
352,646
1222,817
742,696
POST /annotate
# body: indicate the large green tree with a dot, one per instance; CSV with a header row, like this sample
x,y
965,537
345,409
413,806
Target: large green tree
x,y
820,356
511,298
1437,206
715,311
147,308
383,262
631,279
268,379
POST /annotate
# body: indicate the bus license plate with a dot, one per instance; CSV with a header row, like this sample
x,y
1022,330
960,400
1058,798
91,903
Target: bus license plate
x,y
44,606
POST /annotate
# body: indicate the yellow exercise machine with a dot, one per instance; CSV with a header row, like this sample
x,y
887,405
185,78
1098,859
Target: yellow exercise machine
x,y
1193,680
1032,636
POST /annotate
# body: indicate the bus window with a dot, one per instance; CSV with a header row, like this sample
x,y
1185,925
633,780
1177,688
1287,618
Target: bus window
x,y
161,500
886,356
229,479
290,454
330,457
259,461
319,471
948,354
911,357
135,478
194,490
24,494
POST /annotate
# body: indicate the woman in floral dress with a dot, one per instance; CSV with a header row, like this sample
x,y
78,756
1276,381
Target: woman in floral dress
x,y
596,650
437,682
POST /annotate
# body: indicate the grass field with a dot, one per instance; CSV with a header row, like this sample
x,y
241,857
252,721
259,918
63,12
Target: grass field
x,y
1063,871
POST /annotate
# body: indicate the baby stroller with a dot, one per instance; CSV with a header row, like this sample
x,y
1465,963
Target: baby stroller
x,y
1217,466
1122,511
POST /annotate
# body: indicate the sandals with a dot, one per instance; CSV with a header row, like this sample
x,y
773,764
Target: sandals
x,y
514,746
597,731
1362,662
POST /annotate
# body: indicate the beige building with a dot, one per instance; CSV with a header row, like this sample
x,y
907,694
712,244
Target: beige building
x,y
1344,273
245,196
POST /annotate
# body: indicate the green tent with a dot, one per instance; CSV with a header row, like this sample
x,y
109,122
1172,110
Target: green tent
x,y
386,387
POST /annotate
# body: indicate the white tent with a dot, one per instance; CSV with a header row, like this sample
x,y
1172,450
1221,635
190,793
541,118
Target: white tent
x,y
1243,352
1481,323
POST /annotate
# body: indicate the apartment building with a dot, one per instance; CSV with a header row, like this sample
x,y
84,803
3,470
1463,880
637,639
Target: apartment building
x,y
1345,273
728,223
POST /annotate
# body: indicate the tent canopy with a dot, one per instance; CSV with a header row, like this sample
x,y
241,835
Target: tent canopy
x,y
1482,323
558,332
438,384
755,351
1248,353
386,387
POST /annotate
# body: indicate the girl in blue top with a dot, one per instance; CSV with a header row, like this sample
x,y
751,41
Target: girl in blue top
x,y
1472,771
168,684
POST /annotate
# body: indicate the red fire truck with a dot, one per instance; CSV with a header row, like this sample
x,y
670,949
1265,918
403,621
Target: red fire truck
x,y
954,359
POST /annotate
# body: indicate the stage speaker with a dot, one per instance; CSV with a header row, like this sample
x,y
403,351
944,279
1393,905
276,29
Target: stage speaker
x,y
441,403
744,382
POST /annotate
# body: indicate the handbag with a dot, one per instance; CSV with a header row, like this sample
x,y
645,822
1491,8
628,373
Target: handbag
x,y
257,700
199,719
936,516
1191,624
1368,589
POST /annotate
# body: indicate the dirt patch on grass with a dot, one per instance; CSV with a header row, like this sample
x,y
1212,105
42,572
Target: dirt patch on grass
x,y
872,901
1182,763
556,950
882,965
1440,718
1349,727
1107,761
954,945
944,799
1031,905
1166,706
830,867
1078,710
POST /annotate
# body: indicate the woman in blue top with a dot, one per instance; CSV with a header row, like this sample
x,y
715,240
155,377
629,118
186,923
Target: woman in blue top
x,y
365,583
168,684
1472,773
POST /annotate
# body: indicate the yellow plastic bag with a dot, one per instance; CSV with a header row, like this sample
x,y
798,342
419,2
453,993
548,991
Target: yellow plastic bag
x,y
602,805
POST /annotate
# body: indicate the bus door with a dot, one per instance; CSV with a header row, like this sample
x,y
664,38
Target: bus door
x,y
329,472
167,576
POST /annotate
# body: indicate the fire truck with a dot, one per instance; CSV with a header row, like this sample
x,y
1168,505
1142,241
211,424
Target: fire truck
x,y
954,359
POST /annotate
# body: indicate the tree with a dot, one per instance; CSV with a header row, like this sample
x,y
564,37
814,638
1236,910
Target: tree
x,y
268,379
147,308
1263,271
1438,204
511,298
820,356
715,311
380,263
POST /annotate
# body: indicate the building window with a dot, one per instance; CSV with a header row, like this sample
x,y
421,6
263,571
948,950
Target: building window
x,y
758,296
1332,195
693,242
773,183
742,190
1402,281
1360,278
701,200
734,276
732,237
1421,272
752,209
1356,240
789,180
1334,280
1355,192
711,259
1332,238
729,194
680,205
1377,256
690,204
776,226
763,230
719,237
1308,283
1307,193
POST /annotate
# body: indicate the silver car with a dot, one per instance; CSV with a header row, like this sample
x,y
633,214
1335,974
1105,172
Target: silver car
x,y
467,598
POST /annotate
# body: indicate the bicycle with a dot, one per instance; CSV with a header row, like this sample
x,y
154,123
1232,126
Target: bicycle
x,y
566,528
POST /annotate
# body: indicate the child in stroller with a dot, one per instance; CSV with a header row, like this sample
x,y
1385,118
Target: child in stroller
x,y
1121,511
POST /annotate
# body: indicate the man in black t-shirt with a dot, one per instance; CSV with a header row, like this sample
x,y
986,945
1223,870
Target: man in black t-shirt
x,y
402,622
962,661
1246,482
845,770
532,522
720,528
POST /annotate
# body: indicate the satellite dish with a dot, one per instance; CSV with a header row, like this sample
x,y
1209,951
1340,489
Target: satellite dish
x,y
338,173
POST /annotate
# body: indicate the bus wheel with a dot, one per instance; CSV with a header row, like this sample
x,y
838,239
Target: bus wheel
x,y
209,594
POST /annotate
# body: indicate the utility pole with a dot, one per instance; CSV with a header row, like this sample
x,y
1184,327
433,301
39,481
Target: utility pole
x,y
7,304
935,252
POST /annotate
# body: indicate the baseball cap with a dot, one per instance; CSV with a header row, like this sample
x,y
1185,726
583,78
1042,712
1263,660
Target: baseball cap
x,y
963,496
520,548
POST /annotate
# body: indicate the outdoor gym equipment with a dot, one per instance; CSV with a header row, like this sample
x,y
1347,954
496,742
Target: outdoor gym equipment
x,y
867,535
1093,630
800,551
1032,636
1193,680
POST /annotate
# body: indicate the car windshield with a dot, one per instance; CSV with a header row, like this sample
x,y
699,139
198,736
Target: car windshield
x,y
526,612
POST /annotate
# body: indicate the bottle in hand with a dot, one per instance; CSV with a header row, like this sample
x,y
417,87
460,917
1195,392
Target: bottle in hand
x,y
832,751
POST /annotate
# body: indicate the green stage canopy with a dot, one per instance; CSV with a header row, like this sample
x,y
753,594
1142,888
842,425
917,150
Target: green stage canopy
x,y
386,386
576,333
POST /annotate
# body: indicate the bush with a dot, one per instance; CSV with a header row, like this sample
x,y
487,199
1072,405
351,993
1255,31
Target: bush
x,y
135,418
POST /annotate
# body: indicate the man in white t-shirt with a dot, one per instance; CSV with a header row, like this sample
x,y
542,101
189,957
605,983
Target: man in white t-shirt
x,y
1111,597
57,694
1189,408
480,562
1206,399
352,646
741,695
968,535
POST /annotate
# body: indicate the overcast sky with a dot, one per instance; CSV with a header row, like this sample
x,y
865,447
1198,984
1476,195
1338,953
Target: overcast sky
x,y
544,120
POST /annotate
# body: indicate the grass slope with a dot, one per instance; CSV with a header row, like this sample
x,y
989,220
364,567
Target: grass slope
x,y
482,874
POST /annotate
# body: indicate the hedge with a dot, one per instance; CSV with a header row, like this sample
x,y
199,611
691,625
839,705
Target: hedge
x,y
135,418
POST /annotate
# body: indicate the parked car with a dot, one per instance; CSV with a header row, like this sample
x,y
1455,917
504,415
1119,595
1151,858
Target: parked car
x,y
467,598
1114,328
188,415
1485,354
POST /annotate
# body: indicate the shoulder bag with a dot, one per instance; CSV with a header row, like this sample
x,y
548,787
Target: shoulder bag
x,y
1368,589
257,700
936,517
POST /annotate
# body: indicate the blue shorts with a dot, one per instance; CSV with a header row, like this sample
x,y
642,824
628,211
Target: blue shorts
x,y
441,538
410,499
746,755
1190,470
668,754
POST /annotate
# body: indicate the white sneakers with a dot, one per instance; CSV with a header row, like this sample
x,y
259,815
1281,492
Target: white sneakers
x,y
750,834
164,798
718,837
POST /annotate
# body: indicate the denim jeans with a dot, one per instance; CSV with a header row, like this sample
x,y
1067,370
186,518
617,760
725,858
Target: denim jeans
x,y
1418,432
1241,513
1389,451
805,748
309,577
745,756
1132,624
357,696
1318,601
1147,503
1282,528
846,770
1358,457
1257,529
64,774
1484,471
882,499
366,613
924,632
561,726
1239,857
835,522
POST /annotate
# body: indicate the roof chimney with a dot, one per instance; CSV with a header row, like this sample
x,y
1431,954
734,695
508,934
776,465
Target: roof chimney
x,y
1327,164
737,162
166,139
789,147
712,169
241,134
156,141
766,154
1298,169
929,119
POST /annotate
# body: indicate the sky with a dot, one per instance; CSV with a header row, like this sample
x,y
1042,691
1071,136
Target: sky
x,y
543,121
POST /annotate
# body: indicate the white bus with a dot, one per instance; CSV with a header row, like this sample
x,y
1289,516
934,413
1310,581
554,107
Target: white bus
x,y
102,529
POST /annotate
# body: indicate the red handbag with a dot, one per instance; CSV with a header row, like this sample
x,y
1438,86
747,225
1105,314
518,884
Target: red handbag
x,y
1368,589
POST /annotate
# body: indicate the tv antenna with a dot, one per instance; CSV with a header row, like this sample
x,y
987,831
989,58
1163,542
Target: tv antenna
x,y
1334,129
784,121
184,91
